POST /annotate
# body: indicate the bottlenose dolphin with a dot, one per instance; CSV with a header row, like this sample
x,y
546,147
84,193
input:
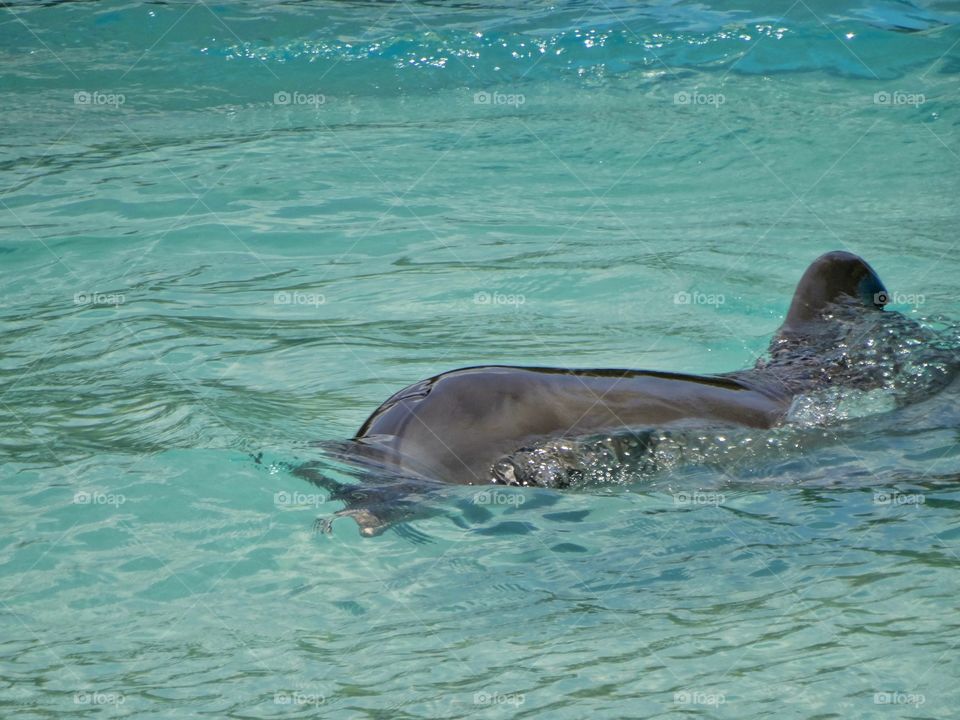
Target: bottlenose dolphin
x,y
457,426
543,426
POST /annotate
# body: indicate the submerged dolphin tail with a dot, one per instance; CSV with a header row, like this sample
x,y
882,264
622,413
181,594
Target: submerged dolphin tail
x,y
832,278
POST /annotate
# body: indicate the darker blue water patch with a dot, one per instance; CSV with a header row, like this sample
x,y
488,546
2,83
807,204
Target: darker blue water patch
x,y
350,606
334,51
678,574
568,548
774,567
538,498
473,513
570,516
508,528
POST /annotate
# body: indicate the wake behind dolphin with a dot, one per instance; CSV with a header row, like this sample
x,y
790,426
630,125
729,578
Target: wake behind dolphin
x,y
543,426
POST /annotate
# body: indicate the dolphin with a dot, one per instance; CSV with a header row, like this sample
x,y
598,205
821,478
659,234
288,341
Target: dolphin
x,y
455,427
506,424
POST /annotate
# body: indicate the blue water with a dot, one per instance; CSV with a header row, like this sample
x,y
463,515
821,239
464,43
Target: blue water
x,y
238,227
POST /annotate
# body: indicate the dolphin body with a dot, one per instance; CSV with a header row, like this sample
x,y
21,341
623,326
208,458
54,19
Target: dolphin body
x,y
456,427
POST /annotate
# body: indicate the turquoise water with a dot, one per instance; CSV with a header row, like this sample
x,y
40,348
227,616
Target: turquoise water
x,y
239,227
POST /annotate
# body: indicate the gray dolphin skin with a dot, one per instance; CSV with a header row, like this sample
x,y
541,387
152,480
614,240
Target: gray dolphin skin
x,y
454,427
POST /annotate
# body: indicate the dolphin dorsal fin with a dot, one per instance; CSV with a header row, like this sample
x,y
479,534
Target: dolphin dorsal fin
x,y
832,278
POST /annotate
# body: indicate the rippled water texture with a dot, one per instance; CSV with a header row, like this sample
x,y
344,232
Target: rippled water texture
x,y
232,229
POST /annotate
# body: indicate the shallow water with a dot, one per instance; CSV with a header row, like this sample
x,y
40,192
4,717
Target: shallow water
x,y
255,222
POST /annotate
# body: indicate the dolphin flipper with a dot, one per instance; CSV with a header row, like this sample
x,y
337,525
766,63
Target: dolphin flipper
x,y
376,503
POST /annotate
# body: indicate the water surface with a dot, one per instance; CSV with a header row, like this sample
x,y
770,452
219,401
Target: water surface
x,y
238,227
